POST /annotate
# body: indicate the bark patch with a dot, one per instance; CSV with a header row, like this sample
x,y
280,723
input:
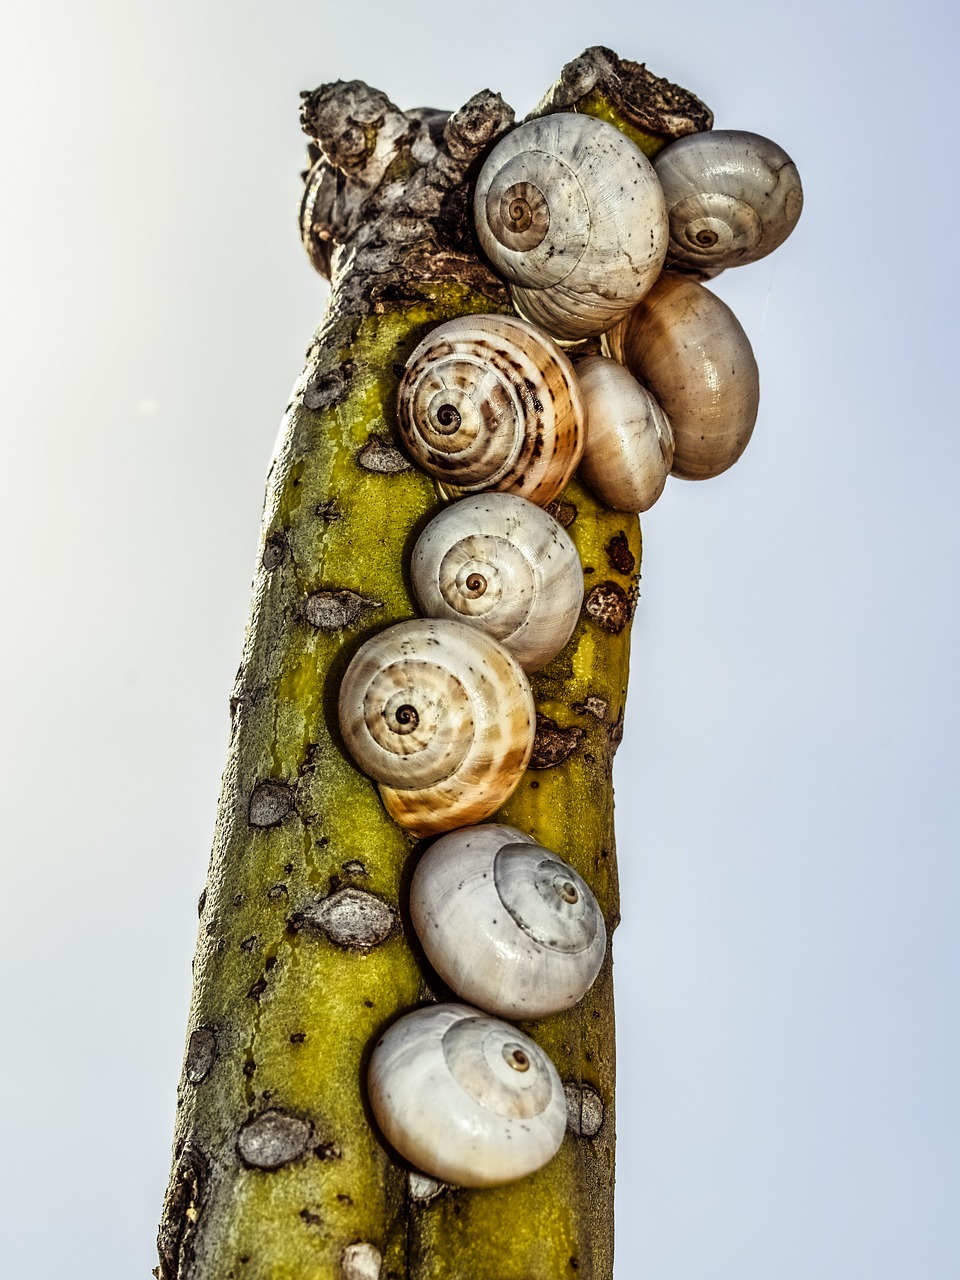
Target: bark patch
x,y
181,1214
592,705
563,512
584,1109
272,1139
552,743
333,610
619,554
350,918
361,1261
378,454
269,804
608,605
201,1054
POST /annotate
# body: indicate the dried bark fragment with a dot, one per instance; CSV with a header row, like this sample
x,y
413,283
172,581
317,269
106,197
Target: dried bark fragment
x,y
272,1139
378,454
331,610
201,1054
269,804
619,554
552,744
584,1109
608,605
350,918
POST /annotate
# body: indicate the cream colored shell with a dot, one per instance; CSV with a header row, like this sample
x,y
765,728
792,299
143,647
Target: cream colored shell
x,y
504,565
570,212
732,197
629,448
508,925
442,717
466,1098
487,402
689,349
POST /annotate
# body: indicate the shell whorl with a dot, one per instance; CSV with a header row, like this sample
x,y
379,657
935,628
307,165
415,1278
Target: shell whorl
x,y
569,210
465,1097
442,717
689,349
504,565
507,924
629,448
732,197
490,403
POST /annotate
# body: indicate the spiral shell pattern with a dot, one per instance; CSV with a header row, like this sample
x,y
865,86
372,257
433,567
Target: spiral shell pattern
x,y
503,565
569,210
732,197
465,1097
507,924
442,717
490,403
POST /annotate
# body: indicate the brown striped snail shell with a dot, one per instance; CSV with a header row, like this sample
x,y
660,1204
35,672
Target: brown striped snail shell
x,y
466,1098
629,448
688,348
504,565
442,717
732,198
569,210
507,924
487,402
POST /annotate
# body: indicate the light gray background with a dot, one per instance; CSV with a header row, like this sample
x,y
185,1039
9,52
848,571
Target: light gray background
x,y
787,962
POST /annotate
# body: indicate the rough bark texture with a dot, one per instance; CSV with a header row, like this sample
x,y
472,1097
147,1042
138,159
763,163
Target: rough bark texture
x,y
305,951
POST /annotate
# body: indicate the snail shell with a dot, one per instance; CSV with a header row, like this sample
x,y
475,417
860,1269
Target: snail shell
x,y
688,348
503,565
466,1098
732,197
570,212
489,402
629,448
442,717
507,924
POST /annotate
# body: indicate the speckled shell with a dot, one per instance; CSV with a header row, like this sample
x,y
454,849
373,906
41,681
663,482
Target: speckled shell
x,y
504,565
442,717
570,212
629,448
466,1098
689,349
732,197
490,403
507,924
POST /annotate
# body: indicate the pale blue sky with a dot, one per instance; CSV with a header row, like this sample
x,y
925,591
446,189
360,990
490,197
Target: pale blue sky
x,y
787,965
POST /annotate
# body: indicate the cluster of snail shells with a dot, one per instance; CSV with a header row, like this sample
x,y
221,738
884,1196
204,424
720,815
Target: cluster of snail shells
x,y
513,929
438,710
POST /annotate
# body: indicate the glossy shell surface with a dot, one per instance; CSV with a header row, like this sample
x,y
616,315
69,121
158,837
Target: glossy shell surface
x,y
500,563
570,212
508,925
491,403
629,448
688,348
465,1097
442,717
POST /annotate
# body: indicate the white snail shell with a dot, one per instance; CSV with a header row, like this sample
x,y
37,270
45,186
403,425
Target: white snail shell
x,y
501,564
442,717
690,350
489,402
508,925
569,210
629,448
732,197
466,1098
